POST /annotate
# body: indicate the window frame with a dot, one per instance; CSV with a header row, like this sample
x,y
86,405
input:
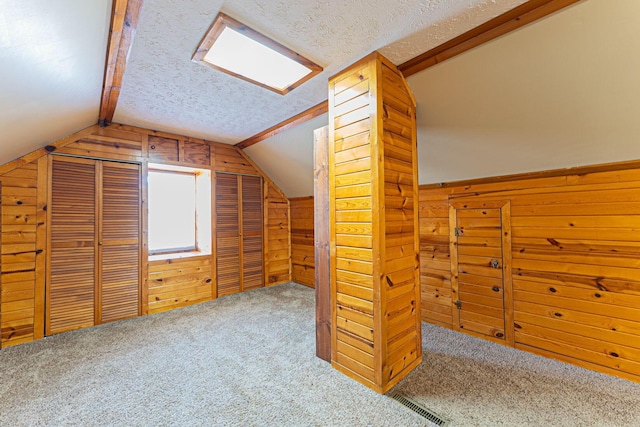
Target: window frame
x,y
223,21
202,212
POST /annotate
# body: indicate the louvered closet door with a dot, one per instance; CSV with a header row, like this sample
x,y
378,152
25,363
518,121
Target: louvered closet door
x,y
252,272
73,240
227,234
94,256
119,242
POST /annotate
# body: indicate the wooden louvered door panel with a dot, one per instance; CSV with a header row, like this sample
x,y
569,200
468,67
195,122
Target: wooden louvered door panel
x,y
252,259
93,274
119,242
73,244
478,271
227,234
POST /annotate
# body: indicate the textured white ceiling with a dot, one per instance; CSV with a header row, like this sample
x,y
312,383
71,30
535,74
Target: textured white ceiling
x,y
52,64
164,90
52,56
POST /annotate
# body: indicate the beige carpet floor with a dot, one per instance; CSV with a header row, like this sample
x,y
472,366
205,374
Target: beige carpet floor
x,y
249,360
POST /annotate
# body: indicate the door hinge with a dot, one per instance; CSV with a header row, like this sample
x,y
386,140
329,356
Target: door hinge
x,y
459,304
457,231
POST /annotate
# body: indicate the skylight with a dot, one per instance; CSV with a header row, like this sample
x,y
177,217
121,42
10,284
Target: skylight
x,y
233,48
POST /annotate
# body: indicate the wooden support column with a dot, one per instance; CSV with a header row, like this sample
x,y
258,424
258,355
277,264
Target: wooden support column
x,y
1,268
374,245
321,240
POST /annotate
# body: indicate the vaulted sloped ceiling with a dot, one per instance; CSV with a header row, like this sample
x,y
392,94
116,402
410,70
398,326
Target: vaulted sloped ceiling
x,y
164,90
52,56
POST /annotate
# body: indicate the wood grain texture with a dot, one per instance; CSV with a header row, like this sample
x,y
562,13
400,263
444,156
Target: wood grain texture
x,y
228,159
228,228
252,233
571,263
302,241
517,17
120,242
373,221
401,296
41,249
321,227
196,153
177,283
278,239
478,278
73,246
305,116
352,319
124,21
162,149
25,224
20,215
94,222
239,233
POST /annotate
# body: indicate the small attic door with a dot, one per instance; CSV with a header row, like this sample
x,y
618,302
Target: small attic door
x,y
480,265
93,272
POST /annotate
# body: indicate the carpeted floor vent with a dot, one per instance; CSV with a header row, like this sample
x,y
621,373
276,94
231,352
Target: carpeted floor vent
x,y
419,409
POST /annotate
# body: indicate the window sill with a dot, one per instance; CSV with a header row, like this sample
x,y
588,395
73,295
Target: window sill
x,y
178,255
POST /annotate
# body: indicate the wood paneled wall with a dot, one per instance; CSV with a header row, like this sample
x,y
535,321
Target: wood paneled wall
x,y
435,262
23,253
168,283
376,337
277,236
179,282
575,269
302,243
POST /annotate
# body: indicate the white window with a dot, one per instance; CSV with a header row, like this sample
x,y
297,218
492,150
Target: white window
x,y
179,206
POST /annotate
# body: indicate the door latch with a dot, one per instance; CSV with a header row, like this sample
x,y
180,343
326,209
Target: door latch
x,y
459,304
495,263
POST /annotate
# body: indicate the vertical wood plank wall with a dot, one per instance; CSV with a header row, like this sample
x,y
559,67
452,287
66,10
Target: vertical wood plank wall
x,y
302,241
167,284
278,236
575,237
322,242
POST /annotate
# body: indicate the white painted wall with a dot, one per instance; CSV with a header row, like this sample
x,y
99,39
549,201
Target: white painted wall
x,y
561,92
287,158
52,56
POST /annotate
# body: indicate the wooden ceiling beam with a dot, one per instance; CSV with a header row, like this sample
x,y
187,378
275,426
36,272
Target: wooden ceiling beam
x,y
124,21
315,111
517,17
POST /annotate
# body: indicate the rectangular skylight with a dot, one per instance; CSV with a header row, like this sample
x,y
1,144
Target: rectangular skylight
x,y
235,49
